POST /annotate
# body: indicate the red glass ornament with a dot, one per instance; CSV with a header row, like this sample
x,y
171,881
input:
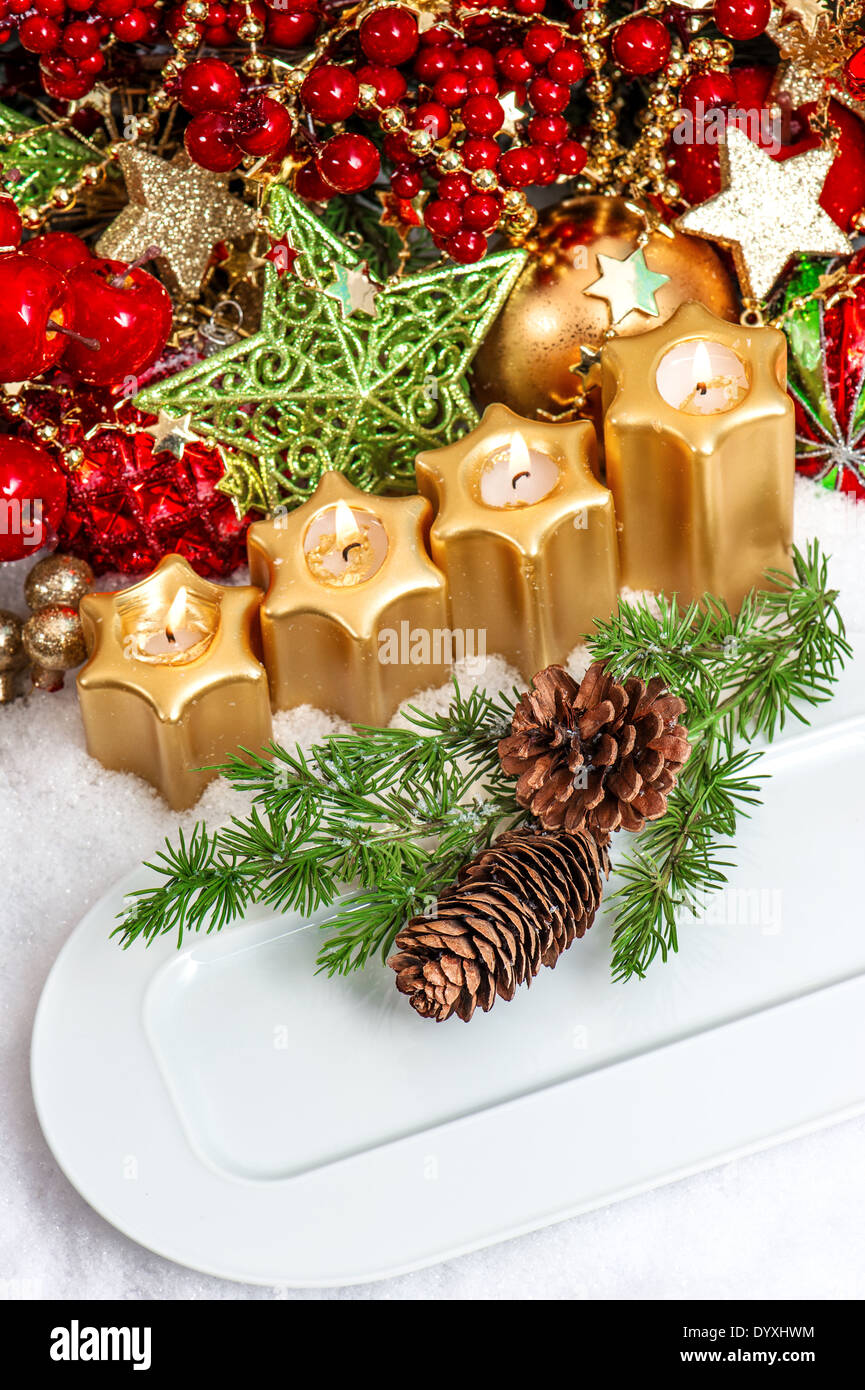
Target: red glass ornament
x,y
32,495
712,90
131,321
31,295
128,507
63,250
11,226
742,19
641,46
389,35
330,93
349,163
210,143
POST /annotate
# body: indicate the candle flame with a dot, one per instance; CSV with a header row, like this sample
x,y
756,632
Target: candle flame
x,y
345,526
176,613
702,365
520,462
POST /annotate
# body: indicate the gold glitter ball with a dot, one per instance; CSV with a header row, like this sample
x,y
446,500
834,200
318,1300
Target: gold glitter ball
x,y
58,579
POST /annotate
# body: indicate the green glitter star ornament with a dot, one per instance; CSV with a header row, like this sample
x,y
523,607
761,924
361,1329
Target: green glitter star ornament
x,y
36,160
315,389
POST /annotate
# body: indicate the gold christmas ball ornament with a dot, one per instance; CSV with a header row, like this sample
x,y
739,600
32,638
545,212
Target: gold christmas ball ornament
x,y
54,642
58,579
12,656
572,294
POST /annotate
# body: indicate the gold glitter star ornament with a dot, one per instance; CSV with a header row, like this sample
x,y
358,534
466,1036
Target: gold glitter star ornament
x,y
767,212
359,385
180,208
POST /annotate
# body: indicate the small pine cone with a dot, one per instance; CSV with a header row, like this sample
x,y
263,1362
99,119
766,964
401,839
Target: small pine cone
x,y
515,907
598,755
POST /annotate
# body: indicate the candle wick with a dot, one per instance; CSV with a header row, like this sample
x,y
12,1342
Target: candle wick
x,y
526,473
702,388
170,635
352,545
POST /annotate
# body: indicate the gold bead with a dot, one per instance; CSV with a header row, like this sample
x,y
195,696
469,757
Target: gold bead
x,y
256,65
294,79
187,37
250,31
602,120
663,101
655,6
599,89
593,21
91,173
147,123
54,641
700,50
514,201
656,164
723,52
13,406
195,11
392,119
367,94
160,101
62,198
420,142
174,67
654,135
450,162
594,55
485,180
47,432
677,71
74,457
672,191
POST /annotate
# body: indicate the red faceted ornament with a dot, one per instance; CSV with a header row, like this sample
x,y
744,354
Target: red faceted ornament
x,y
128,507
33,297
854,74
32,498
126,311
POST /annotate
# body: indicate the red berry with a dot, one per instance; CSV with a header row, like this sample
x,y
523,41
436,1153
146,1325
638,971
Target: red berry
x,y
571,157
466,246
389,35
742,19
483,87
529,6
514,63
10,223
483,115
405,182
713,89
289,28
54,8
210,143
390,85
209,85
480,153
642,45
548,97
567,66
132,27
548,130
63,78
518,167
39,34
541,42
443,217
432,63
456,187
330,93
434,117
80,39
349,163
548,163
264,129
481,212
452,88
477,62
309,184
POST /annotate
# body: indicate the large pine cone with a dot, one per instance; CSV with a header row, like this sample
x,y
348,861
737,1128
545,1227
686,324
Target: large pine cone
x,y
514,908
598,754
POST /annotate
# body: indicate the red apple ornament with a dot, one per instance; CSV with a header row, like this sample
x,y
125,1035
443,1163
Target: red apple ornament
x,y
35,300
126,310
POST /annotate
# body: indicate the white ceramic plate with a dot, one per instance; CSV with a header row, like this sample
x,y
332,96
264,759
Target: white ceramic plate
x,y
228,1108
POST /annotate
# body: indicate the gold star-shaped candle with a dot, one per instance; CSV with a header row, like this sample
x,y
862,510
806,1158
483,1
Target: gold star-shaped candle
x,y
768,210
525,534
700,453
173,685
354,617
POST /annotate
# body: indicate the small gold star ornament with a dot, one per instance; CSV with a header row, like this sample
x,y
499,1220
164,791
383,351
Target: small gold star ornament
x,y
627,285
171,434
178,207
767,212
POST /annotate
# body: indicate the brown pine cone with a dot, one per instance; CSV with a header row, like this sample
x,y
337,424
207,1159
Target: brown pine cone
x,y
515,907
598,754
